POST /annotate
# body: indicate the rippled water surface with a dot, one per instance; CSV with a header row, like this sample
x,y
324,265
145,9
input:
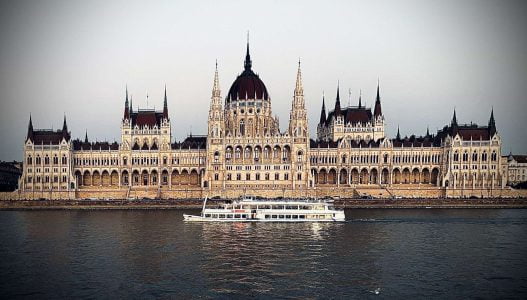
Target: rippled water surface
x,y
428,253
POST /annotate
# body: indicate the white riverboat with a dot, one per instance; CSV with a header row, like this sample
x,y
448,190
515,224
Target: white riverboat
x,y
249,209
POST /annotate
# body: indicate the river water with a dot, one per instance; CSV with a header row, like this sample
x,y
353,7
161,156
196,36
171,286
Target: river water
x,y
377,254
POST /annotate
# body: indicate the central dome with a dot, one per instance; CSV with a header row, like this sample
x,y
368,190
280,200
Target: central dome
x,y
247,85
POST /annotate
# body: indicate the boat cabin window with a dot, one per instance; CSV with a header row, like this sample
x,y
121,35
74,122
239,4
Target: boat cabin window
x,y
288,216
222,216
291,207
305,207
295,216
274,216
244,216
229,216
278,207
280,216
237,216
267,216
215,216
301,216
207,215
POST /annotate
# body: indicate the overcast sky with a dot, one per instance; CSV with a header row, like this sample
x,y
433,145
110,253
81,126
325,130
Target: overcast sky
x,y
75,58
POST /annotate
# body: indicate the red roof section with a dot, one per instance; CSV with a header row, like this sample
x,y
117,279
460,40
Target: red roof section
x,y
146,117
247,86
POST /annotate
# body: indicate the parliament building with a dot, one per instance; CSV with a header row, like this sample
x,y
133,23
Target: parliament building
x,y
245,151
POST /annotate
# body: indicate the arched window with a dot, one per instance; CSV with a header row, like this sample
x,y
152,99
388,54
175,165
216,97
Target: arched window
x,y
494,156
456,156
465,156
29,160
242,127
64,160
216,156
475,156
46,160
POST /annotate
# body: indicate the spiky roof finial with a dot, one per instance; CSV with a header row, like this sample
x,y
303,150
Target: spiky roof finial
x,y
248,62
398,137
492,123
86,136
323,111
360,98
165,104
337,102
454,119
377,110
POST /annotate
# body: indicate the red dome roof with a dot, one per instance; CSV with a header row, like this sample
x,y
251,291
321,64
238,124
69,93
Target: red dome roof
x,y
247,85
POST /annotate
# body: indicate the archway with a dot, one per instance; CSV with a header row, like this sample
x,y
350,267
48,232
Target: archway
x,y
355,176
415,176
105,178
374,175
364,176
434,176
425,176
343,176
385,176
332,176
405,176
114,178
397,177
96,178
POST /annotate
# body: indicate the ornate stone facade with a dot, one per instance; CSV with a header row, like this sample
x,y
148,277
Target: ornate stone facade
x,y
245,151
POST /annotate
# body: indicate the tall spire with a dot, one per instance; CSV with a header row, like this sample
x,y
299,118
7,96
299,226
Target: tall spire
x,y
64,125
398,137
377,110
248,62
165,105
492,123
30,129
337,102
126,105
86,136
299,90
131,105
323,111
216,87
454,119
360,98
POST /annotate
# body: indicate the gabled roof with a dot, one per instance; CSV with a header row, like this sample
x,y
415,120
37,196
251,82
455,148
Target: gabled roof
x,y
353,115
146,117
192,142
47,137
81,145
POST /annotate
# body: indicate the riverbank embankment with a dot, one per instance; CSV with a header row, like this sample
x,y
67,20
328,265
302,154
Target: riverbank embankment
x,y
197,203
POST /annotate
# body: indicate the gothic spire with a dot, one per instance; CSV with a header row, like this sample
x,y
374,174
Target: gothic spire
x,y
64,125
337,102
360,98
131,105
216,86
165,105
323,111
299,90
454,119
398,137
126,105
30,128
492,123
86,136
377,110
248,62
427,131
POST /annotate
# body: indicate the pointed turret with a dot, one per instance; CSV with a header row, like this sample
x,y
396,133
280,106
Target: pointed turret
x,y
216,86
492,123
427,131
86,137
248,63
377,110
64,125
126,106
454,119
360,98
337,101
131,105
323,111
165,105
398,137
299,89
29,129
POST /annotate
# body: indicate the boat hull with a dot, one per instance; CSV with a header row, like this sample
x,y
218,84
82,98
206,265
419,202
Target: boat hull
x,y
193,218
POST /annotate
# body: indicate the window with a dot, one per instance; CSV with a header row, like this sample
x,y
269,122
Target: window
x,y
216,176
276,176
456,156
266,176
299,176
238,176
29,160
257,176
286,176
247,176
